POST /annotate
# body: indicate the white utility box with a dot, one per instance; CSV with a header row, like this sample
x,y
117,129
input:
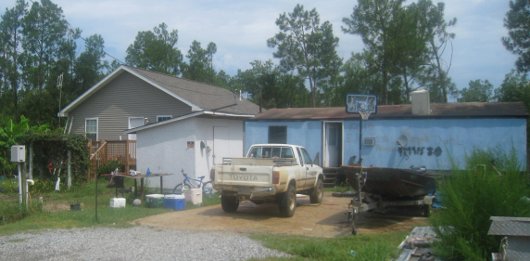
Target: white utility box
x,y
117,202
18,153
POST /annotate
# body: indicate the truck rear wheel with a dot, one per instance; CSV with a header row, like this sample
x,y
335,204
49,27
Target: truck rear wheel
x,y
287,202
229,203
317,193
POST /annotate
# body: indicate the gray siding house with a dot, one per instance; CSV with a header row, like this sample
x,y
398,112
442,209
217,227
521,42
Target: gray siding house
x,y
146,119
131,97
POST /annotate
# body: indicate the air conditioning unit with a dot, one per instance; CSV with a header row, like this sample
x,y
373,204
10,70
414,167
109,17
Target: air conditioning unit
x,y
369,141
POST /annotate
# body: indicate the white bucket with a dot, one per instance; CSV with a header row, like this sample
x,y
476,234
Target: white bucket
x,y
194,196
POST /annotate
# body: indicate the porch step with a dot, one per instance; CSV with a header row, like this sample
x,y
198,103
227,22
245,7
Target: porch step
x,y
330,176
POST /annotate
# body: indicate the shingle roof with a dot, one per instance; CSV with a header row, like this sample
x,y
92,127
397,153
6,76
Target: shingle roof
x,y
204,96
199,96
510,226
438,110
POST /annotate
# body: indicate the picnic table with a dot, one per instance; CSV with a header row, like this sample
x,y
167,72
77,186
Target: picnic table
x,y
139,177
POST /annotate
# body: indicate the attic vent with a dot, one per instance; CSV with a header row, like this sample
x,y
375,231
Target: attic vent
x,y
420,100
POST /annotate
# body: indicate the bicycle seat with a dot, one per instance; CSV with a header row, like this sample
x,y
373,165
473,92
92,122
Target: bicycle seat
x,y
201,177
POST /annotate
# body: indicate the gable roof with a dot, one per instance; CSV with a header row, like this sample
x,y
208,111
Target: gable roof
x,y
438,110
199,96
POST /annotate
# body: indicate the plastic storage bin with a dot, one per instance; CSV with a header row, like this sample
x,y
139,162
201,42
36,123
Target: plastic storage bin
x,y
175,202
117,202
154,200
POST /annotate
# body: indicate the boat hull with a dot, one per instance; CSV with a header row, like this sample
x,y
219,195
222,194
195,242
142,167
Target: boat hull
x,y
391,183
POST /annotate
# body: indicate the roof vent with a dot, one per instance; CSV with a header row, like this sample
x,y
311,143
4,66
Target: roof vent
x,y
420,102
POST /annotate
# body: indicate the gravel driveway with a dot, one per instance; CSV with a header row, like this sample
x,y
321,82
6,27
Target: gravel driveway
x,y
135,243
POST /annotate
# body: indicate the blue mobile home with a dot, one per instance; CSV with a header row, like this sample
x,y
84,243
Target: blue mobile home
x,y
397,136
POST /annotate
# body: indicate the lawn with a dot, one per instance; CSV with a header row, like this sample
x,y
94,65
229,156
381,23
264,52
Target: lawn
x,y
56,213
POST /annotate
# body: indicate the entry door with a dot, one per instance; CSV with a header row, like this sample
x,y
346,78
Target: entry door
x,y
226,143
332,144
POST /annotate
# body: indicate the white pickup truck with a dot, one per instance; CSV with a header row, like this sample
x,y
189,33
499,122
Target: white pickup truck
x,y
268,173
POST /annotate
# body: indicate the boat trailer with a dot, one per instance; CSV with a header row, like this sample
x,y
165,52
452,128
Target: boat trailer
x,y
369,194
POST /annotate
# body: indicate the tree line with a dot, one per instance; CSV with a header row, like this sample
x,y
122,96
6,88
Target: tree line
x,y
405,45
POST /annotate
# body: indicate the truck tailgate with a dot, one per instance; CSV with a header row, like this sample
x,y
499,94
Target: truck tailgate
x,y
245,175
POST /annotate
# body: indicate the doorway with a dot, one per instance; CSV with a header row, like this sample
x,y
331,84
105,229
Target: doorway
x,y
332,144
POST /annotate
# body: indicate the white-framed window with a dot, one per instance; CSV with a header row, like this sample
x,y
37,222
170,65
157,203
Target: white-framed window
x,y
160,118
136,122
91,128
133,123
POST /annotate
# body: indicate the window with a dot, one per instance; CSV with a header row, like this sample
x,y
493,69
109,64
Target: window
x,y
91,128
305,156
136,122
277,134
160,118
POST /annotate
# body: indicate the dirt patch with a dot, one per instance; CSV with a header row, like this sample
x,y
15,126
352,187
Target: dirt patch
x,y
328,219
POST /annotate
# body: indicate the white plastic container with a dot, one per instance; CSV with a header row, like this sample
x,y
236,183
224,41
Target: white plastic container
x,y
194,196
117,202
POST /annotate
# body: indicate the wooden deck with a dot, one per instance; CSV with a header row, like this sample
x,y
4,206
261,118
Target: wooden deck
x,y
101,152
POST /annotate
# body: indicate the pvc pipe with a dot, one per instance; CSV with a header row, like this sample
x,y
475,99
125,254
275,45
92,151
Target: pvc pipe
x,y
28,181
19,185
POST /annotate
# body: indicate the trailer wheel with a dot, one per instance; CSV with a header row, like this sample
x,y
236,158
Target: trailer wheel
x,y
287,201
229,203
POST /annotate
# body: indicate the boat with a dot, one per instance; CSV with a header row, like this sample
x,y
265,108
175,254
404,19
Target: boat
x,y
392,183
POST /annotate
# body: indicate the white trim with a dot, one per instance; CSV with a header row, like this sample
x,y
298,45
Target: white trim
x,y
100,84
187,116
163,116
97,126
324,143
193,106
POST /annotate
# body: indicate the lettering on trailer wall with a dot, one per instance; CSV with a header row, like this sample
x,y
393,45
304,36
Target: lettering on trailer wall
x,y
419,151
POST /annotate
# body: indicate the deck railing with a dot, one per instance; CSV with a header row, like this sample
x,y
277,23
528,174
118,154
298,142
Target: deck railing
x,y
101,152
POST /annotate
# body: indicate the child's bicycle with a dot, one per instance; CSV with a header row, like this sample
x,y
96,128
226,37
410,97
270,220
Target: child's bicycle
x,y
189,183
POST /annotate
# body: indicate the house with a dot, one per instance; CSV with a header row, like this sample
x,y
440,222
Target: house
x,y
515,233
435,136
173,117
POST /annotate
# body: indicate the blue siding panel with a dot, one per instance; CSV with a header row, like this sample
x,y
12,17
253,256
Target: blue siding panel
x,y
433,143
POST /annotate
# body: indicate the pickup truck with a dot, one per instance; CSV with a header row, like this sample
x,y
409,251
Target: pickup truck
x,y
269,173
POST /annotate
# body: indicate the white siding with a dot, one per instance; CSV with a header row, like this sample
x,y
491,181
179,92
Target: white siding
x,y
164,149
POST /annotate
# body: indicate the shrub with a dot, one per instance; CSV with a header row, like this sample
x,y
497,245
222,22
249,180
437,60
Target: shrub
x,y
492,185
110,166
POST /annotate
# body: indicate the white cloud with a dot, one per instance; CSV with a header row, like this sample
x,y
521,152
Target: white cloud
x,y
241,28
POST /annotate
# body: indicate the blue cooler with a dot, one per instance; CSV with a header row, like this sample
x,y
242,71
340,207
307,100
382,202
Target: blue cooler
x,y
175,202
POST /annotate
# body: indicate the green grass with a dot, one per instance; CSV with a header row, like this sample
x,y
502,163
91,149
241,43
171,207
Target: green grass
x,y
38,217
361,247
373,247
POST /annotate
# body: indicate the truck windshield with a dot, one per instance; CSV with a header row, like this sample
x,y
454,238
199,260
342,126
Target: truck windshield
x,y
271,152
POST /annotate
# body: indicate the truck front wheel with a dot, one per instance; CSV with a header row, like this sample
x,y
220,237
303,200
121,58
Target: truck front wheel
x,y
229,203
287,202
317,193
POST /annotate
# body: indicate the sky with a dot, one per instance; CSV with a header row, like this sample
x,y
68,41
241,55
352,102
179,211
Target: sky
x,y
240,29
